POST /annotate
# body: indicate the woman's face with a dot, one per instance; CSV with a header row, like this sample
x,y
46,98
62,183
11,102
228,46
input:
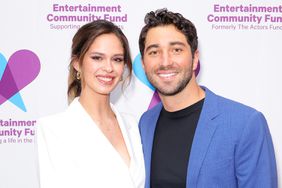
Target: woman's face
x,y
102,66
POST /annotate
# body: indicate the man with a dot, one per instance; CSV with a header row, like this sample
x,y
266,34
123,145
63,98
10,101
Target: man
x,y
195,138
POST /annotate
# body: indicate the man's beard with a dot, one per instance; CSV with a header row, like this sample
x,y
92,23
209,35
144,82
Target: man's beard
x,y
165,91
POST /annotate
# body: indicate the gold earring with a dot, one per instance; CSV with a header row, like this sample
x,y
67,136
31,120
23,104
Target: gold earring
x,y
78,75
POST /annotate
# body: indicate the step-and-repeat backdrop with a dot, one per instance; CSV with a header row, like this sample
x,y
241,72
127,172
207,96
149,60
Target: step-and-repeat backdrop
x,y
240,58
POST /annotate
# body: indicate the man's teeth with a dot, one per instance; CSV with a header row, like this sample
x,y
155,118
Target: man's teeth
x,y
167,75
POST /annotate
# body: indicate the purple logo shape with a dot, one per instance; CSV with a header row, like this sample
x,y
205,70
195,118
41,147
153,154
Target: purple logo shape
x,y
20,70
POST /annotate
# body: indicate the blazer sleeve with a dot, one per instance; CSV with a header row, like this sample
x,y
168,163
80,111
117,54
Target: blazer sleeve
x,y
254,156
42,155
45,166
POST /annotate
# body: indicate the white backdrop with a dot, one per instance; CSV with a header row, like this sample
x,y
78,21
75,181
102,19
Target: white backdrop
x,y
240,59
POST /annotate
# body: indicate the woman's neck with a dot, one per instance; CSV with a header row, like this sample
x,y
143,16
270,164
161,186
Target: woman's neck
x,y
97,106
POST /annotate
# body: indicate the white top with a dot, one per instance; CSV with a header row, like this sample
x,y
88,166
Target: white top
x,y
74,153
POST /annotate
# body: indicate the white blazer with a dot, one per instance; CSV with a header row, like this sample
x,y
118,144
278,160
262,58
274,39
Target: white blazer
x,y
74,153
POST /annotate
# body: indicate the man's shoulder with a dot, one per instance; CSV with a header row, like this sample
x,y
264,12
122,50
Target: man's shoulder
x,y
233,106
153,111
228,105
235,117
149,117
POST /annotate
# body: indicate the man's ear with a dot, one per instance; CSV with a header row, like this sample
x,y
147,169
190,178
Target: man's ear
x,y
196,60
142,62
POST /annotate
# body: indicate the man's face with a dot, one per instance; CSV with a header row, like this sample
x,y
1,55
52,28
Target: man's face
x,y
167,60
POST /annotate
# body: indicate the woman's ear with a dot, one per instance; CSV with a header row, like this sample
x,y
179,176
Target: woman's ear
x,y
76,65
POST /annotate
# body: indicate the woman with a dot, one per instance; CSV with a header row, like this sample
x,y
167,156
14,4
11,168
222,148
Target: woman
x,y
91,144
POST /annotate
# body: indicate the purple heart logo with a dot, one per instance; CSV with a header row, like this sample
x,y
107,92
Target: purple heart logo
x,y
20,70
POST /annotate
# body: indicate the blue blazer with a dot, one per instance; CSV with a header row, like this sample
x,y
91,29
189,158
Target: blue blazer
x,y
232,146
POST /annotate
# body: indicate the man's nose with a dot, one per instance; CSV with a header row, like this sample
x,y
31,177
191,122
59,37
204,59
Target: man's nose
x,y
166,59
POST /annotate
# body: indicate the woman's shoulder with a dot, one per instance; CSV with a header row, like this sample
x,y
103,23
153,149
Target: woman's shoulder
x,y
60,118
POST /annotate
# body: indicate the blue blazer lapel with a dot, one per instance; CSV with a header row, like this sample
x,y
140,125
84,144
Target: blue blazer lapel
x,y
147,137
203,135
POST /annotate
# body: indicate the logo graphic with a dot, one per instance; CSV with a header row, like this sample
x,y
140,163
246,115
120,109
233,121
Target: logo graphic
x,y
140,74
16,73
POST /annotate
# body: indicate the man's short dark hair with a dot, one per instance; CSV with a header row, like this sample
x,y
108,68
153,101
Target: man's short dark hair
x,y
162,17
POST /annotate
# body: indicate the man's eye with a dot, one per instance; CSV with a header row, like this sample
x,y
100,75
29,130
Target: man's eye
x,y
153,52
177,50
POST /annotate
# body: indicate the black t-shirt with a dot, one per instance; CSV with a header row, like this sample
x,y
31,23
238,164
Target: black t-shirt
x,y
172,144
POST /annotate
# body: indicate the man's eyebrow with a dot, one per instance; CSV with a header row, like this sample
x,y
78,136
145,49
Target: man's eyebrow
x,y
176,43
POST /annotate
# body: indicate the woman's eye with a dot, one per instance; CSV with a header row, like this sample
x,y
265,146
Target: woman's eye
x,y
97,58
118,59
